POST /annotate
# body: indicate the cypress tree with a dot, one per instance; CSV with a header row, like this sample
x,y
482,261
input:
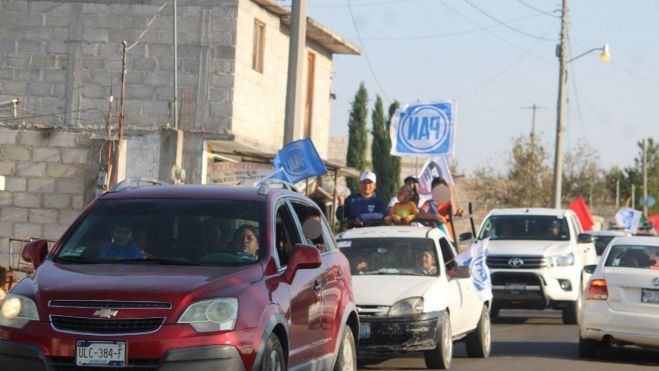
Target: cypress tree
x,y
380,154
357,136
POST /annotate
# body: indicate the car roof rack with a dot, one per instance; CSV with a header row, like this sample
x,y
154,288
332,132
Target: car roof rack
x,y
131,183
269,184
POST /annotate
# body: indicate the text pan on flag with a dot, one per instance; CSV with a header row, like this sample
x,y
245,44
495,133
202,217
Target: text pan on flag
x,y
299,160
476,258
423,129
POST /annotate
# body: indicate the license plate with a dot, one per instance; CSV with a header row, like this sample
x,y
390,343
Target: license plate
x,y
650,296
364,330
516,287
101,353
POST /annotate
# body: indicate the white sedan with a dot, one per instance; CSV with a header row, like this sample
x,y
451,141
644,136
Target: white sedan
x,y
622,298
412,296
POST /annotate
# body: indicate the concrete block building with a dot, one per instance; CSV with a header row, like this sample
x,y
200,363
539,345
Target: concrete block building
x,y
61,64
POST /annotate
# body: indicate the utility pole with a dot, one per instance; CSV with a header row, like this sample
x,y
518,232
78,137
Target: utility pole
x,y
296,57
617,194
561,51
633,196
175,105
645,177
535,108
120,173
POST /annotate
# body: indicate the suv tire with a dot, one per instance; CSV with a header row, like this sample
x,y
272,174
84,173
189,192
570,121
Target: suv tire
x,y
442,355
479,342
273,355
346,360
572,312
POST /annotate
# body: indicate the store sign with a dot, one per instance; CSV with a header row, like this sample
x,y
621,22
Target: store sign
x,y
237,173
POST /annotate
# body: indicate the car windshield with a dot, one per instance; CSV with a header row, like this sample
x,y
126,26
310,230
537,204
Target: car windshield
x,y
391,256
633,256
525,227
168,232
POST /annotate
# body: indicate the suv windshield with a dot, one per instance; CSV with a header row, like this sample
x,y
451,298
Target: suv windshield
x,y
525,227
167,231
391,256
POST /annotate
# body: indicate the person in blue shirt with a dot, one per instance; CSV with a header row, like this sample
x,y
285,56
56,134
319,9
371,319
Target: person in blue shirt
x,y
363,208
122,246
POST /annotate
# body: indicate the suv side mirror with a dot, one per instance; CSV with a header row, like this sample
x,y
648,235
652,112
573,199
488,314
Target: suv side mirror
x,y
302,257
584,238
465,236
589,268
35,252
461,271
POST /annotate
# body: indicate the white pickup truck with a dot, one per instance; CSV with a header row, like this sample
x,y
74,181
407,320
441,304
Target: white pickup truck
x,y
536,257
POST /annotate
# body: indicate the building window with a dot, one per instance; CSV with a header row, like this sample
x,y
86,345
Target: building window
x,y
258,46
308,104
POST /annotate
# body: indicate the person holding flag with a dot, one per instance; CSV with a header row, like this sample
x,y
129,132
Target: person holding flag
x,y
435,212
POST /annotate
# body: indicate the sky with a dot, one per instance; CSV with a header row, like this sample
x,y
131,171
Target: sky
x,y
495,59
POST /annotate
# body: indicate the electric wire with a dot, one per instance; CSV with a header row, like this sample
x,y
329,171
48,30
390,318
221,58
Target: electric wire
x,y
368,60
148,25
493,34
522,32
540,11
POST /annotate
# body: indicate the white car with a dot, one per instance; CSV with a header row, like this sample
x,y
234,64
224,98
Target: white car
x,y
412,296
601,239
536,257
622,298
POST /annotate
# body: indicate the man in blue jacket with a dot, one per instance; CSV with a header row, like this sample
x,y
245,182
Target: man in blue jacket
x,y
363,208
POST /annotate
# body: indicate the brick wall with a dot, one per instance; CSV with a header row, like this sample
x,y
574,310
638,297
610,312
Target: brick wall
x,y
49,178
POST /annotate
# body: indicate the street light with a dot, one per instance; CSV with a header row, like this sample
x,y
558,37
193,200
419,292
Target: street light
x,y
561,53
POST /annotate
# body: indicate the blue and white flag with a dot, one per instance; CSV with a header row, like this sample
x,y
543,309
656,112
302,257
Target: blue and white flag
x,y
423,129
629,218
475,257
433,168
278,174
300,160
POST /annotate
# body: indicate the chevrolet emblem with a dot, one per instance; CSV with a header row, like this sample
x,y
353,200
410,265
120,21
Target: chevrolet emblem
x,y
105,313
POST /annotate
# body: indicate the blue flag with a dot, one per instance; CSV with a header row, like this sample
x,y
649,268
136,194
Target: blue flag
x,y
299,160
279,174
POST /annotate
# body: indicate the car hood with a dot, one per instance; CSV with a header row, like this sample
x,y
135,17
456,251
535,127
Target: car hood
x,y
528,248
385,290
135,282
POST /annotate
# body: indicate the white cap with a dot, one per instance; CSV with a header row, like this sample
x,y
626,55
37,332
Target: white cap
x,y
367,175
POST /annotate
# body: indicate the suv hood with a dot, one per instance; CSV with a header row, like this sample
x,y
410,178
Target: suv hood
x,y
528,247
385,290
135,282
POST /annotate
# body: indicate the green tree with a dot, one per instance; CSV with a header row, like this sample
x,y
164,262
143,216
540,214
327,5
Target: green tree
x,y
529,174
583,177
357,135
383,161
634,175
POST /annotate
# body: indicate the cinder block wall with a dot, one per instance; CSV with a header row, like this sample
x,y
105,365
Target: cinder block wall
x,y
49,178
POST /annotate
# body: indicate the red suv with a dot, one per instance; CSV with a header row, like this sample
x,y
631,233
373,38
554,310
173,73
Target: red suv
x,y
186,277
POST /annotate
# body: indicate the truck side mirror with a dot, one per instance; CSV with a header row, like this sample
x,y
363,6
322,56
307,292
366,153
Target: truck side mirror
x,y
584,238
466,236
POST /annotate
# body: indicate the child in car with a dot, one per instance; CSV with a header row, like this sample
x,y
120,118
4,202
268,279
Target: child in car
x,y
404,211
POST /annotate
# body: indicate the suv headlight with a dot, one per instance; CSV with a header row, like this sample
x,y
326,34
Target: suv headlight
x,y
561,260
407,306
212,315
16,311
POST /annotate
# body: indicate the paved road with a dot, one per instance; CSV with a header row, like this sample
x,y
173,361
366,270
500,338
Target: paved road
x,y
539,343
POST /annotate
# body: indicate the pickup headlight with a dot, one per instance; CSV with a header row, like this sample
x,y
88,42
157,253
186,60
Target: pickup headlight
x,y
16,311
212,315
561,260
407,306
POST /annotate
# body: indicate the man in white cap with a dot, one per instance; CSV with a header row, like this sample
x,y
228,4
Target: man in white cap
x,y
363,208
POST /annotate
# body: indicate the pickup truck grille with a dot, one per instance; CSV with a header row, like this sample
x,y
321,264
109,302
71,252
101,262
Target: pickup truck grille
x,y
105,326
516,262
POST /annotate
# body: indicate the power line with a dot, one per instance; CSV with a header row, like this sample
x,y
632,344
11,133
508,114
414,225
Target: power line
x,y
493,34
368,60
448,34
373,3
148,25
506,25
540,11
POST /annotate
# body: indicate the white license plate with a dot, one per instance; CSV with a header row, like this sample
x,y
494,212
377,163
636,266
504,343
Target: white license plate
x,y
650,296
516,287
101,353
364,330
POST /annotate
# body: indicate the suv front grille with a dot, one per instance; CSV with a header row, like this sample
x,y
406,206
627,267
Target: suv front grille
x,y
516,262
106,326
110,304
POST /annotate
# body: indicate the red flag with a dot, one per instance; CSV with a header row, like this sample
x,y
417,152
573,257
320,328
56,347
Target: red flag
x,y
655,220
581,209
